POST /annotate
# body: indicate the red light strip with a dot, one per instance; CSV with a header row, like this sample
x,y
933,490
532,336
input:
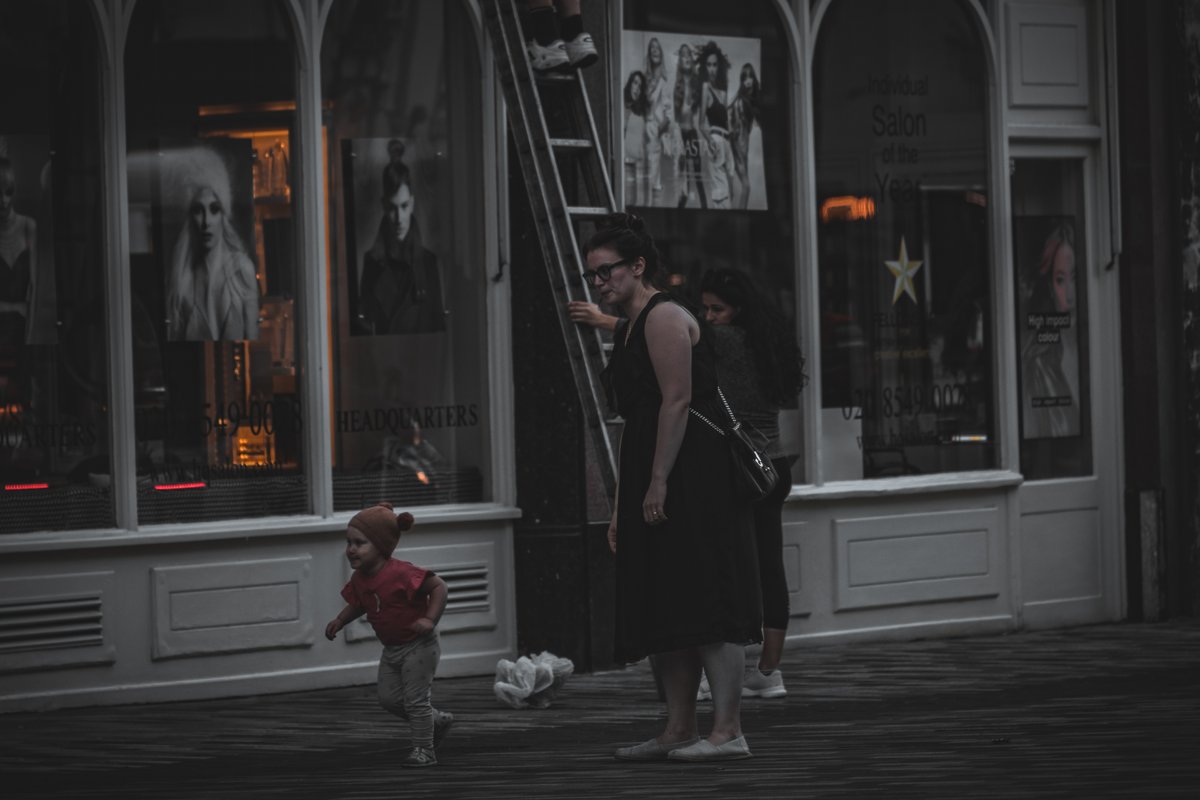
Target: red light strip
x,y
24,487
171,487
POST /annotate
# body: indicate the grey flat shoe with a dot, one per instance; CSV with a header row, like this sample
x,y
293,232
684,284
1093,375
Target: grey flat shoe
x,y
650,750
705,750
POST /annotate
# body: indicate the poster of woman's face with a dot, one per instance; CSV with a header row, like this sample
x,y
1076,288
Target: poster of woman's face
x,y
691,121
28,297
206,198
394,280
1048,321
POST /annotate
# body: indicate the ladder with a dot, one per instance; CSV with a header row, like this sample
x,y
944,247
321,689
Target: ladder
x,y
569,189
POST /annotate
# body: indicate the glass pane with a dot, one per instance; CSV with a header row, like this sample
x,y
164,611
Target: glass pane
x,y
1049,249
54,424
902,164
707,157
407,272
210,101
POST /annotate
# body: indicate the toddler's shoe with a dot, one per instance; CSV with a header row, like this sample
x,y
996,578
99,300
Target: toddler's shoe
x,y
581,51
549,57
441,726
756,684
420,757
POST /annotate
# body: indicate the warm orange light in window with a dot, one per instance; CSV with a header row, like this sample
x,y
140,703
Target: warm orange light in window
x,y
422,477
24,487
846,208
171,487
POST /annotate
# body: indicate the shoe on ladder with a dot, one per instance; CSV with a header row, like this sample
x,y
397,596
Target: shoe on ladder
x,y
581,51
548,58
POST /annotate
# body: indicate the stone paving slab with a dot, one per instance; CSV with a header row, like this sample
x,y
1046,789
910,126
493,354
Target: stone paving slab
x,y
1099,711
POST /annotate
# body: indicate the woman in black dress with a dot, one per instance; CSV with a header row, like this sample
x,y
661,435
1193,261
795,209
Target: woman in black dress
x,y
686,570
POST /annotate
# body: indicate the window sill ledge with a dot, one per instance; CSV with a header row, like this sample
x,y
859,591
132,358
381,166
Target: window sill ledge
x,y
923,484
258,528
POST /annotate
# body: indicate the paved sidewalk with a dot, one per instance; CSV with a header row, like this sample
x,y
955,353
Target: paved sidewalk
x,y
1102,711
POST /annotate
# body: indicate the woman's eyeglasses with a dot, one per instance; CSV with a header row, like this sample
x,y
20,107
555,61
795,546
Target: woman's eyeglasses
x,y
604,271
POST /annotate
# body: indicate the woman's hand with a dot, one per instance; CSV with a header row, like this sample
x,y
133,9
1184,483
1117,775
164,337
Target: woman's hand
x,y
653,504
590,314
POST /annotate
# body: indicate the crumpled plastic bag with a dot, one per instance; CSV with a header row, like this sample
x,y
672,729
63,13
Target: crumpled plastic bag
x,y
531,682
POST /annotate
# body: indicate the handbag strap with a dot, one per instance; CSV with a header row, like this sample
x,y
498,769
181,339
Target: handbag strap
x,y
707,421
734,423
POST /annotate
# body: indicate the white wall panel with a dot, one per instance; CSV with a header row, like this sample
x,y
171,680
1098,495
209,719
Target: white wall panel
x,y
1048,49
916,558
234,606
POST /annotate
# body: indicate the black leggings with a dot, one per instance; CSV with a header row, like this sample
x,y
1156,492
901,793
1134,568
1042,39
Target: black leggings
x,y
768,531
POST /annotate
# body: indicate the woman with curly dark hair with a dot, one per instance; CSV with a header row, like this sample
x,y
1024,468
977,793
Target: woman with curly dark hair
x,y
761,370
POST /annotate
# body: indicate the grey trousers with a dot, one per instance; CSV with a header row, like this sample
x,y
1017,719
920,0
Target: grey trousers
x,y
405,684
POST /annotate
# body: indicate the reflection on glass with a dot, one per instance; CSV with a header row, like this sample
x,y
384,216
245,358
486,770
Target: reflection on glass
x,y
901,154
408,300
218,417
54,426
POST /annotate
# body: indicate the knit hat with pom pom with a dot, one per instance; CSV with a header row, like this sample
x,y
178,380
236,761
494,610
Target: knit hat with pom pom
x,y
381,526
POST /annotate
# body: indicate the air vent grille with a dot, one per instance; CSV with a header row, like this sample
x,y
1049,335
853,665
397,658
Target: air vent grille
x,y
469,588
51,623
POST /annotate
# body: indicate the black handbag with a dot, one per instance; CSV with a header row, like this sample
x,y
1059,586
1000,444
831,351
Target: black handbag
x,y
754,475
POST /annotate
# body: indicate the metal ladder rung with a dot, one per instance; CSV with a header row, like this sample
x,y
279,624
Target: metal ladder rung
x,y
571,144
588,212
573,154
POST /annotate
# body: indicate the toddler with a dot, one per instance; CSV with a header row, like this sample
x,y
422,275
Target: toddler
x,y
403,603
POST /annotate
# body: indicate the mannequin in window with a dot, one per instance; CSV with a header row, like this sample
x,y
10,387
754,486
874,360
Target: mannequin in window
x,y
212,291
401,288
18,262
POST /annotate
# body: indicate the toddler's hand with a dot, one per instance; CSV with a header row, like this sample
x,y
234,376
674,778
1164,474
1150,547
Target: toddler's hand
x,y
422,626
332,629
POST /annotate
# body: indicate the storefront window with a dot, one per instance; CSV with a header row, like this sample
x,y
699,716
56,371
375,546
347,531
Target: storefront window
x,y
1050,266
210,98
54,424
407,273
900,96
707,148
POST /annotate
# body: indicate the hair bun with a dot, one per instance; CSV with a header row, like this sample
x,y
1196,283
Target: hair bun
x,y
634,222
404,520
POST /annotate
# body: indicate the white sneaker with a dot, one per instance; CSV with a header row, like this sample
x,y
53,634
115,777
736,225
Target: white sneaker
x,y
755,684
581,52
546,59
705,692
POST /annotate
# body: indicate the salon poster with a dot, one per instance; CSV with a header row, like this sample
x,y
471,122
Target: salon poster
x,y
691,121
205,199
1048,325
29,295
394,276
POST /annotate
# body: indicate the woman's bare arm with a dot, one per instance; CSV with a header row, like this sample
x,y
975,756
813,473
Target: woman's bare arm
x,y
671,333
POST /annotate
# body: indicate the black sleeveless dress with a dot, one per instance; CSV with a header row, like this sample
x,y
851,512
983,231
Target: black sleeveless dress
x,y
694,579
